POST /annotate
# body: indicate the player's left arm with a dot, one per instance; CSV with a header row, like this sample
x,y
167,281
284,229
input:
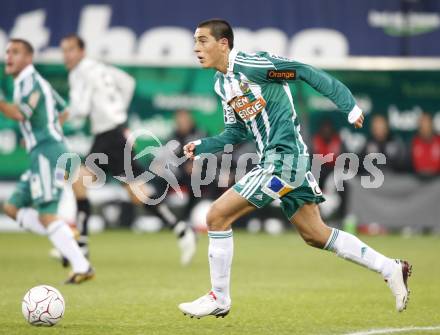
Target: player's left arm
x,y
325,84
60,107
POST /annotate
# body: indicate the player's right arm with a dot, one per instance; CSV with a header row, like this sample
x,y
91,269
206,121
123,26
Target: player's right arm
x,y
24,108
234,132
11,111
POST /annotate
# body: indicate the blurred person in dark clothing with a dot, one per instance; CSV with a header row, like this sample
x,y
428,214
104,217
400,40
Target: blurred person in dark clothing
x,y
425,148
391,146
185,128
185,132
327,141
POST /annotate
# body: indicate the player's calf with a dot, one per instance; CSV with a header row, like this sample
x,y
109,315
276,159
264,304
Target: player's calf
x,y
186,240
10,210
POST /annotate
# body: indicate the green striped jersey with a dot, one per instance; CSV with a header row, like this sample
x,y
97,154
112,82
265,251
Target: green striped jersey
x,y
40,104
258,104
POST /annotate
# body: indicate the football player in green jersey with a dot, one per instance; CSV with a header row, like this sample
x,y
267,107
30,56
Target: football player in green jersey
x,y
36,107
258,105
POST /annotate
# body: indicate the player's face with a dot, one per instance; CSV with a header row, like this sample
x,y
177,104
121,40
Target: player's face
x,y
72,53
17,58
209,51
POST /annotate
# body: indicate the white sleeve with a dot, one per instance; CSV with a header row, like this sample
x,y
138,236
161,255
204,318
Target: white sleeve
x,y
80,96
125,83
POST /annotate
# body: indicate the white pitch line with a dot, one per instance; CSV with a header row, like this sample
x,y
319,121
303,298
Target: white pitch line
x,y
393,330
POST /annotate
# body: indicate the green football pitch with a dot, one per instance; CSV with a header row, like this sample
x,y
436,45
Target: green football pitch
x,y
279,286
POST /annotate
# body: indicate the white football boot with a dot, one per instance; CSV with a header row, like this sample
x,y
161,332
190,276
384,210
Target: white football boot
x,y
187,241
398,283
204,306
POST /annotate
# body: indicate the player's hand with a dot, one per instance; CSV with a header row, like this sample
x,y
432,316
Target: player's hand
x,y
189,149
359,122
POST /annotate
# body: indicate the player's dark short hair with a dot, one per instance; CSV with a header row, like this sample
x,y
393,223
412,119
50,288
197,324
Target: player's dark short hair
x,y
27,46
219,29
78,39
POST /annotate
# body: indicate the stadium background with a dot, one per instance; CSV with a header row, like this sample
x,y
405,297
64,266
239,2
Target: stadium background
x,y
382,50
386,51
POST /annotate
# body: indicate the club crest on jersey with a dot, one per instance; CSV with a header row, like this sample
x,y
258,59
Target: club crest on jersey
x,y
246,108
244,87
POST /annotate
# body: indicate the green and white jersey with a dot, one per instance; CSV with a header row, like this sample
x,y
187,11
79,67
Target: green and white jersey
x,y
40,104
258,103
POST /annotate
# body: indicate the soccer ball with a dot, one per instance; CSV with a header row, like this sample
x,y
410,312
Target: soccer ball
x,y
43,305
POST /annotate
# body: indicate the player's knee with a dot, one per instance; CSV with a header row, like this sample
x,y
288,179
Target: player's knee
x,y
312,240
47,219
133,197
79,189
10,210
214,219
79,184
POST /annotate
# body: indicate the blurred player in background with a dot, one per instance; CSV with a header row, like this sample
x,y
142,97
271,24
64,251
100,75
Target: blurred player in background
x,y
36,107
103,94
258,104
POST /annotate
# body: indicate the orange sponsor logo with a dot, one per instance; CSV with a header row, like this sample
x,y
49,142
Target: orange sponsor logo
x,y
281,75
247,109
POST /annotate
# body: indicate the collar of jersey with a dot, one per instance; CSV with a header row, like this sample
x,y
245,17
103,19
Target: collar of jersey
x,y
27,71
231,59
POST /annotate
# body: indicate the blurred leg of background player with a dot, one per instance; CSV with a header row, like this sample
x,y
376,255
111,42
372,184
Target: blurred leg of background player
x,y
187,239
83,211
67,210
45,221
